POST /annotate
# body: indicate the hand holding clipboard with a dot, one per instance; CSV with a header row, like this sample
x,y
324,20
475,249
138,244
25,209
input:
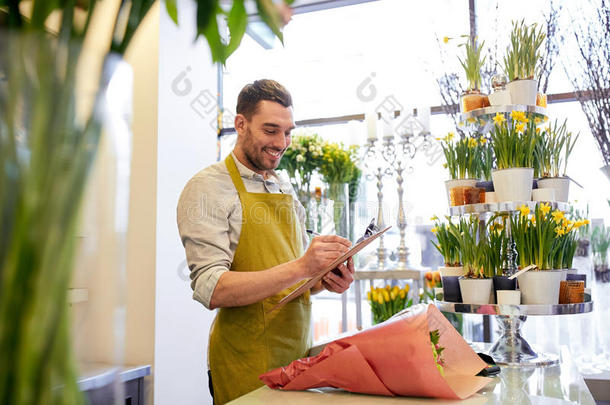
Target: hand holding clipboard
x,y
370,235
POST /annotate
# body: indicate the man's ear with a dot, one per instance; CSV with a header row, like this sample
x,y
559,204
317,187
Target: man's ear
x,y
240,123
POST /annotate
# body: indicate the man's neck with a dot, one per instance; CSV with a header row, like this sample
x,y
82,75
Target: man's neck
x,y
246,162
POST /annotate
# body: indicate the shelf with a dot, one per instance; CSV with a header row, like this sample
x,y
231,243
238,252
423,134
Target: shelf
x,y
508,206
516,310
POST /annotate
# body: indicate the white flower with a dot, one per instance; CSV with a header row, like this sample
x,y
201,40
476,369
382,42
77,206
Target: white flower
x,y
312,148
300,158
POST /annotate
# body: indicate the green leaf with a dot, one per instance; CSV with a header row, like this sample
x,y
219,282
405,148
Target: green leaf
x,y
172,10
206,15
270,16
237,22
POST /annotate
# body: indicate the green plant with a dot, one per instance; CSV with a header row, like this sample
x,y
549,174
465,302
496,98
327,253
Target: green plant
x,y
523,54
546,238
553,148
514,142
464,158
600,242
473,250
339,164
447,244
388,301
496,241
48,143
301,159
473,63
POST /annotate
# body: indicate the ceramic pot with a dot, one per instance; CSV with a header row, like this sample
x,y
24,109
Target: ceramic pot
x,y
451,289
561,185
487,185
451,271
543,194
514,184
475,290
500,97
523,91
503,283
449,184
540,287
509,297
577,277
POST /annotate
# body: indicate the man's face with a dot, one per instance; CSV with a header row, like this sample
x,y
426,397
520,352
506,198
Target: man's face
x,y
264,139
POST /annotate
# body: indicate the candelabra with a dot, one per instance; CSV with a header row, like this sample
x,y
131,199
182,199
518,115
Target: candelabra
x,y
395,152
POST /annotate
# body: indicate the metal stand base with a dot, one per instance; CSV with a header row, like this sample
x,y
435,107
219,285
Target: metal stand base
x,y
513,350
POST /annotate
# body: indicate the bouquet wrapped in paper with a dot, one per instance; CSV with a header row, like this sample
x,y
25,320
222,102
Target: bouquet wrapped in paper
x,y
416,353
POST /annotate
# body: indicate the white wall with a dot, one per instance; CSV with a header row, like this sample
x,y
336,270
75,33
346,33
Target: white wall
x,y
186,144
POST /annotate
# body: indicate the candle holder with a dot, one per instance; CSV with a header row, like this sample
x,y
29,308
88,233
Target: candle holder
x,y
396,151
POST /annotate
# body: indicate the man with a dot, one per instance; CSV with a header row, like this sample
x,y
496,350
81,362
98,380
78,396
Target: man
x,y
243,232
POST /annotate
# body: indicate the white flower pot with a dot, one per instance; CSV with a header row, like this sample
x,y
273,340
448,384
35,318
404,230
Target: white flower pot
x,y
500,97
523,92
514,184
448,271
449,184
509,297
561,185
543,194
540,287
476,290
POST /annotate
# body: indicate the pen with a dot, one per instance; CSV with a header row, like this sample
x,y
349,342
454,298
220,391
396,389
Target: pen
x,y
312,232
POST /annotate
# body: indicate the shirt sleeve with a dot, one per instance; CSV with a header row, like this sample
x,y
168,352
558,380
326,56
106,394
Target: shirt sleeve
x,y
203,223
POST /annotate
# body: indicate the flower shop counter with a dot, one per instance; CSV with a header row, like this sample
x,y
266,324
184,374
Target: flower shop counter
x,y
557,385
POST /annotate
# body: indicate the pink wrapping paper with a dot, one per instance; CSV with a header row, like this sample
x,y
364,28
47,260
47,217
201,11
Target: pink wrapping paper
x,y
393,358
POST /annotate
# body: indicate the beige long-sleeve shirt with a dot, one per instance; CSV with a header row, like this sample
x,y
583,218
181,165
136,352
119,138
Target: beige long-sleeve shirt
x,y
210,218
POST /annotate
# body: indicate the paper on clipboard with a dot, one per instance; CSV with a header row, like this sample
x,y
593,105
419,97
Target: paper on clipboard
x,y
312,281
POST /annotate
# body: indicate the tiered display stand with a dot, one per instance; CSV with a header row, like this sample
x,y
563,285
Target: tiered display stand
x,y
511,348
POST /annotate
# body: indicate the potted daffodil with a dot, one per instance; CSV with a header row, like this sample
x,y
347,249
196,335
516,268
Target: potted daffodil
x,y
448,246
514,142
553,149
472,63
520,62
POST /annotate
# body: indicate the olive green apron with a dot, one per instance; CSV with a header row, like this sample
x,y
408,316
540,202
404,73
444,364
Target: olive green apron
x,y
248,341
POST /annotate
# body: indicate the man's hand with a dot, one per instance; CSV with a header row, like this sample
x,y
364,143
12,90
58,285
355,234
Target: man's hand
x,y
339,283
321,252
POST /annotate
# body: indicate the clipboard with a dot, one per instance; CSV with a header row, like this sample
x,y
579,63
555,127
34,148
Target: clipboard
x,y
312,281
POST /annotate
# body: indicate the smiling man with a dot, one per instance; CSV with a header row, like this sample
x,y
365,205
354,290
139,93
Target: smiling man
x,y
243,232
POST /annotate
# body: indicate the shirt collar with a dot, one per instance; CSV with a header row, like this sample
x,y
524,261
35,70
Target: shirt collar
x,y
248,173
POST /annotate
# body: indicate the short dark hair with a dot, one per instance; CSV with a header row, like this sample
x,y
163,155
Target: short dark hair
x,y
264,89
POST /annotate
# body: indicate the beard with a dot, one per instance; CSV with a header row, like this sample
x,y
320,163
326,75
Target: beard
x,y
258,156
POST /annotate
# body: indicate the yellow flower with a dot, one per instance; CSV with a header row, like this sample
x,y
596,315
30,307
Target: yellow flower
x,y
393,295
499,118
386,296
525,210
472,143
586,222
387,288
482,140
515,115
538,130
560,231
396,289
402,294
446,39
450,136
520,127
407,288
545,208
380,300
434,218
434,230
557,216
369,296
537,120
579,223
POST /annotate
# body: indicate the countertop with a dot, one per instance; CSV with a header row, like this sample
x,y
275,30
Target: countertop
x,y
98,375
556,385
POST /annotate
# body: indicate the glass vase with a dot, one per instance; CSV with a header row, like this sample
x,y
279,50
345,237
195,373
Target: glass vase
x,y
338,193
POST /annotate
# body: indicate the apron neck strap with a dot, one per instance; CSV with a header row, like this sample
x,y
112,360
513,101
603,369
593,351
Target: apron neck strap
x,y
235,176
